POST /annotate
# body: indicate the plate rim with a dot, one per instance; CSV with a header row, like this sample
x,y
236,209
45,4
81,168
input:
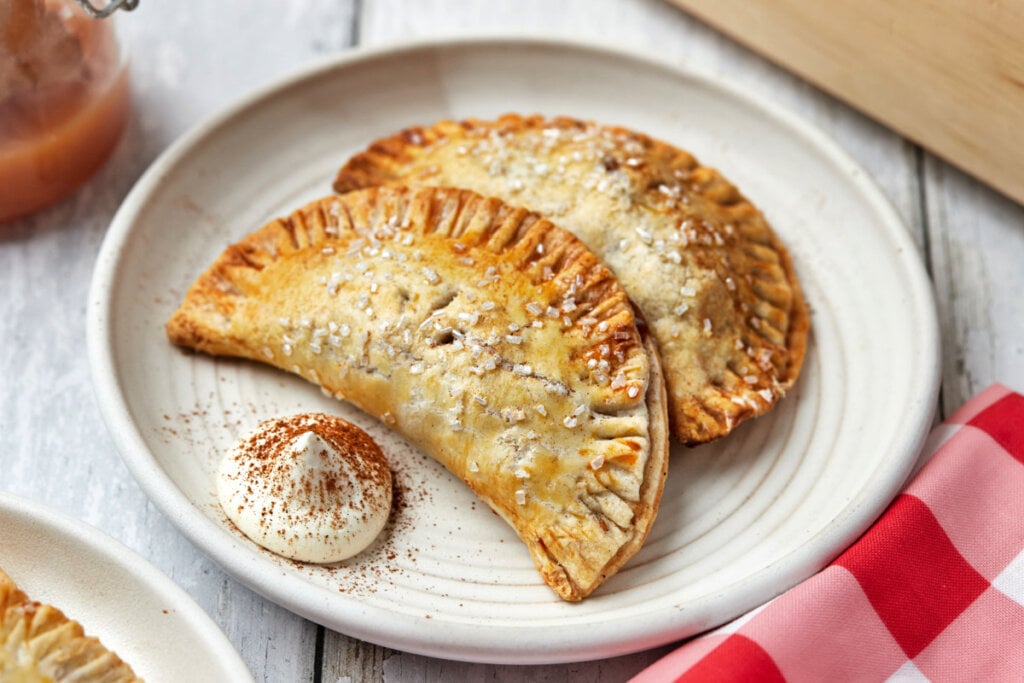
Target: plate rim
x,y
95,541
409,634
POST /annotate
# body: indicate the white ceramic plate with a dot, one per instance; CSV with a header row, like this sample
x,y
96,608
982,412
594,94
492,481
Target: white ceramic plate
x,y
116,595
741,519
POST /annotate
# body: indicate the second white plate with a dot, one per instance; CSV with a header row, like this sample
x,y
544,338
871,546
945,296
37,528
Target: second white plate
x,y
741,520
115,595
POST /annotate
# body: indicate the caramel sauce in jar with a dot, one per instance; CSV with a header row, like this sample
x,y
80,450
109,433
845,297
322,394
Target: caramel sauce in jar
x,y
64,101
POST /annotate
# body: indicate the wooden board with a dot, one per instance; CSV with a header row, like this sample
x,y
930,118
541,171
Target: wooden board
x,y
949,75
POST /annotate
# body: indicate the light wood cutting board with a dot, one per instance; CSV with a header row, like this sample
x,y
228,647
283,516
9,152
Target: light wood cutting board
x,y
947,74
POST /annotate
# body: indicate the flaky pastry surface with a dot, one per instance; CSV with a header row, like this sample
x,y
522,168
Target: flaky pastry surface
x,y
708,273
490,338
39,643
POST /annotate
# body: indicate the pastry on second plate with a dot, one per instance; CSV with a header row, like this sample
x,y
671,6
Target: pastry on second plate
x,y
713,281
493,340
39,643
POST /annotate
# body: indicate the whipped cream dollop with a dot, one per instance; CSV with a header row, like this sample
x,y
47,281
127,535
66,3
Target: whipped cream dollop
x,y
311,487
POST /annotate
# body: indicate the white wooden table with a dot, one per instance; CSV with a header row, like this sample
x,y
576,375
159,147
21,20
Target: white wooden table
x,y
193,58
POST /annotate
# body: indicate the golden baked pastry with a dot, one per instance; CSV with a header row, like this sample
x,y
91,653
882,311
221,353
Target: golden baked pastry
x,y
490,338
708,273
38,643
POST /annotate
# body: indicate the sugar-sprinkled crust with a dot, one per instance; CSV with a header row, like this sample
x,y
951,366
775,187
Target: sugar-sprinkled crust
x,y
37,640
712,279
495,341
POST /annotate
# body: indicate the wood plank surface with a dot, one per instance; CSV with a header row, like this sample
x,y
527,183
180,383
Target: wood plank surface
x,y
976,251
949,75
191,59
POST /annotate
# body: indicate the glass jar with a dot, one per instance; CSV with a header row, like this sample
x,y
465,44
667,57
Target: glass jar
x,y
64,100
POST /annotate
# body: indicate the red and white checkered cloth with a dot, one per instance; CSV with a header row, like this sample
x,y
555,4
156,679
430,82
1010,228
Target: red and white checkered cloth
x,y
934,591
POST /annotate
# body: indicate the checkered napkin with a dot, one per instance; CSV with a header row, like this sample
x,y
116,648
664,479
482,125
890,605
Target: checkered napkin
x,y
933,591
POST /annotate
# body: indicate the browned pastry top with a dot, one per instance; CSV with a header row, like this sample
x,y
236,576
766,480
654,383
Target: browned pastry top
x,y
710,276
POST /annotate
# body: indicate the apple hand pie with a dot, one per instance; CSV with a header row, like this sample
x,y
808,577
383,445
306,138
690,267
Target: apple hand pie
x,y
39,643
701,263
490,338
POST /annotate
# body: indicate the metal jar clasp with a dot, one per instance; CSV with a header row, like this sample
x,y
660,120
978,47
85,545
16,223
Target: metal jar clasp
x,y
110,8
